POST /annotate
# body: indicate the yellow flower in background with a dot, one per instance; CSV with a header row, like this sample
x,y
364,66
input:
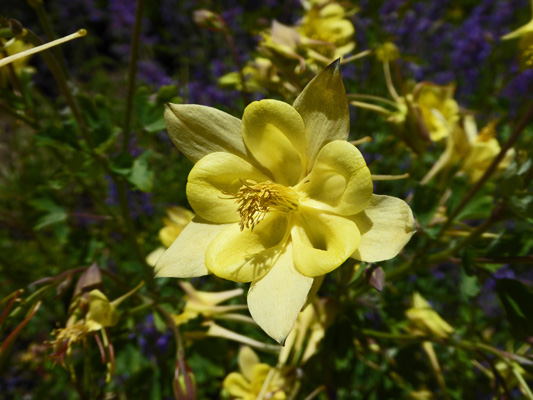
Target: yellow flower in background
x,y
281,198
14,47
248,384
425,321
327,25
438,109
525,34
474,151
482,149
206,303
323,35
177,218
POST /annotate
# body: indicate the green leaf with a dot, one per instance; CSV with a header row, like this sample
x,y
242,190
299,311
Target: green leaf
x,y
480,206
517,299
141,175
469,285
55,213
425,203
122,164
522,204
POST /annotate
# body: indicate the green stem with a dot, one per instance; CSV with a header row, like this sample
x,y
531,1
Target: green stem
x,y
372,107
131,231
132,73
38,6
235,54
6,33
20,117
371,97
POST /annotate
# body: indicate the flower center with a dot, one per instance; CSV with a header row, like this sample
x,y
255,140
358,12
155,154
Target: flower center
x,y
257,199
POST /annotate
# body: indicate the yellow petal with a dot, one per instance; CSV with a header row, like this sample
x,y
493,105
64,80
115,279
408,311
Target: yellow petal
x,y
339,182
199,130
322,241
386,226
324,109
185,258
244,256
212,181
276,300
101,312
179,215
151,259
523,30
247,359
237,386
274,133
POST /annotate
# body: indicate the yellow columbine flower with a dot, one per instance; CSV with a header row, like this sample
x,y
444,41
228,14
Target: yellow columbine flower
x,y
281,198
483,147
206,303
439,110
248,384
325,23
425,320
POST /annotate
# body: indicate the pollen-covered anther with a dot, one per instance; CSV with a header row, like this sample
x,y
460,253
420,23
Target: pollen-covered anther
x,y
257,199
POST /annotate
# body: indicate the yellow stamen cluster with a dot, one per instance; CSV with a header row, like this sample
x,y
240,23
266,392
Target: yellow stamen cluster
x,y
257,199
70,334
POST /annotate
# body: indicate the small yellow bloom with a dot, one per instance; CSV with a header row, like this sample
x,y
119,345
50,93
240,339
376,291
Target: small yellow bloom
x,y
387,52
439,111
177,218
206,303
281,198
331,33
15,47
425,321
248,384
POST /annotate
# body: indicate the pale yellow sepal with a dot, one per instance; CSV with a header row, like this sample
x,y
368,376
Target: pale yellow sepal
x,y
273,303
246,359
386,226
101,312
323,106
185,258
199,130
425,320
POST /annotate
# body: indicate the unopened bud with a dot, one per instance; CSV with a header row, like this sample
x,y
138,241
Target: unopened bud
x,y
209,20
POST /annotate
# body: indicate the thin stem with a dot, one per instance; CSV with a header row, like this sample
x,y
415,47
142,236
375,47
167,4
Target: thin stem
x,y
372,107
491,169
18,116
132,73
38,6
389,177
365,139
371,97
235,55
131,232
356,56
388,80
39,48
60,78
